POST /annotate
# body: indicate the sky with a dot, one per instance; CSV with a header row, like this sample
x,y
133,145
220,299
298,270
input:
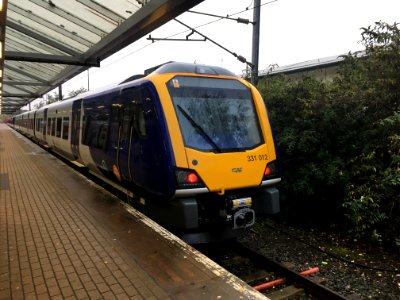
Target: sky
x,y
291,31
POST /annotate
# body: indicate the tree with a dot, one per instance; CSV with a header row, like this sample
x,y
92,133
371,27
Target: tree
x,y
51,98
40,104
339,141
77,92
308,134
373,195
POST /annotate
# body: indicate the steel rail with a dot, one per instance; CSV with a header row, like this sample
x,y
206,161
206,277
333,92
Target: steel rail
x,y
310,286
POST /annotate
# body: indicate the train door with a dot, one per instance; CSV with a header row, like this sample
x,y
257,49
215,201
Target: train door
x,y
114,136
125,134
75,129
135,141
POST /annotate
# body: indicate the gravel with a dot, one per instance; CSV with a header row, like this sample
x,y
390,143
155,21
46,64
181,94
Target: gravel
x,y
352,268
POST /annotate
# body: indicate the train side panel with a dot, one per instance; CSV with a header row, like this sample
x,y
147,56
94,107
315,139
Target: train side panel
x,y
58,128
124,138
40,128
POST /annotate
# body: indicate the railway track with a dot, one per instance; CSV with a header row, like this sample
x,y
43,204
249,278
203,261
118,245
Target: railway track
x,y
250,266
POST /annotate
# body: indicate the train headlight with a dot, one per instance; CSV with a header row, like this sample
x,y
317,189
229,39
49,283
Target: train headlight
x,y
242,202
188,179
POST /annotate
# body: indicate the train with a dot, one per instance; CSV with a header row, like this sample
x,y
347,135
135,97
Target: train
x,y
191,145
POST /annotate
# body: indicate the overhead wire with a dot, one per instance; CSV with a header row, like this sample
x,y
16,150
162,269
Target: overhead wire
x,y
248,8
250,3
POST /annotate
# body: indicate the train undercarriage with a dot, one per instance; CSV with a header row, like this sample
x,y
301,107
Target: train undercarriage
x,y
210,217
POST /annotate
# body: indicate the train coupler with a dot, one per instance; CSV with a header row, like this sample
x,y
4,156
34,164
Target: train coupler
x,y
242,215
244,218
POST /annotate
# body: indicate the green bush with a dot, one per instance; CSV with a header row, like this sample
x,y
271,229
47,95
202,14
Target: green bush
x,y
339,141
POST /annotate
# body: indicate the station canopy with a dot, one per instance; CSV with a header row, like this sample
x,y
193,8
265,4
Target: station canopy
x,y
47,42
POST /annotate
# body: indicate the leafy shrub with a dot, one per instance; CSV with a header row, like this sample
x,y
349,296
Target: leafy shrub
x,y
339,141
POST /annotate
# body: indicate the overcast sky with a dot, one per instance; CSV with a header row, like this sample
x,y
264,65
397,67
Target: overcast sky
x,y
292,31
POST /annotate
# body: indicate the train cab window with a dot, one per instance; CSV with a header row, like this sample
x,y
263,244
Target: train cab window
x,y
65,128
53,126
58,127
215,115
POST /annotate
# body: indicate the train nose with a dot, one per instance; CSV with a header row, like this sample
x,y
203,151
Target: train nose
x,y
243,218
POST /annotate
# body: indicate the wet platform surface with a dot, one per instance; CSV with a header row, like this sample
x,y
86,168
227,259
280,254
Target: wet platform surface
x,y
63,237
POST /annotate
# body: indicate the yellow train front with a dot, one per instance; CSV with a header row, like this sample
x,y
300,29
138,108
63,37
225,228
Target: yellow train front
x,y
224,155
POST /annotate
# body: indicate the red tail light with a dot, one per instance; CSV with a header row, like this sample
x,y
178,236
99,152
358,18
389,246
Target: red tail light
x,y
186,178
267,171
192,178
272,170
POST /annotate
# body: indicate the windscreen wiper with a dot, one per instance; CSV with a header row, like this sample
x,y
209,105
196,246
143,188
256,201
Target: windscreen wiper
x,y
199,128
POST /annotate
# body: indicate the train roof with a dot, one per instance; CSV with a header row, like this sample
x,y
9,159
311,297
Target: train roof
x,y
169,67
178,67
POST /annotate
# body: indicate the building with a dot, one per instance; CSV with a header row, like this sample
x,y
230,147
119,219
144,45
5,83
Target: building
x,y
322,68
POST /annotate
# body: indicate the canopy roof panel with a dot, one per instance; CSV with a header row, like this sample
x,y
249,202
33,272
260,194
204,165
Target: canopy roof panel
x,y
47,42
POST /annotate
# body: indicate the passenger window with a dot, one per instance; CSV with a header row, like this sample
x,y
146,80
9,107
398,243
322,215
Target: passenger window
x,y
101,140
87,120
44,127
140,123
95,130
58,128
53,126
65,128
48,126
134,114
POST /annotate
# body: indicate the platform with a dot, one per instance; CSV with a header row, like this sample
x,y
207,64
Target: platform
x,y
63,237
